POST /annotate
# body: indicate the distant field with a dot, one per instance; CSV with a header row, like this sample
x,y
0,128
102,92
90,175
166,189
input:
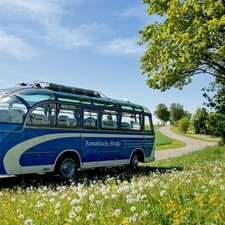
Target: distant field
x,y
163,142
161,139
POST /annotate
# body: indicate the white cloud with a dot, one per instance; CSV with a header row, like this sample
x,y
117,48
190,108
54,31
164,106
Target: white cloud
x,y
126,46
48,15
83,36
38,9
138,11
15,47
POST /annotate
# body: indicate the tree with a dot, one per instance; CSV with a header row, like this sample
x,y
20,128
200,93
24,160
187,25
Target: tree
x,y
184,125
162,113
187,114
215,123
190,41
199,121
176,112
217,101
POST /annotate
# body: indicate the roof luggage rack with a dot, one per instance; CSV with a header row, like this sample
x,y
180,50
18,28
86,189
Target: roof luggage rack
x,y
64,88
73,90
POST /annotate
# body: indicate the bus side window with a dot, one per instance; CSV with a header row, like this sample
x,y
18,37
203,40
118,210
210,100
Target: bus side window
x,y
68,115
42,115
147,124
109,120
90,118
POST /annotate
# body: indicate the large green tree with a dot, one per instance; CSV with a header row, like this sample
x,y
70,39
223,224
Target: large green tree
x,y
189,41
176,112
162,113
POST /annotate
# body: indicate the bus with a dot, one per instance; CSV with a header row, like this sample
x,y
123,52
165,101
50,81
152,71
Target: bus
x,y
52,128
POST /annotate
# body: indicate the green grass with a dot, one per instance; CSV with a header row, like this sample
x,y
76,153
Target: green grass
x,y
164,142
183,190
191,134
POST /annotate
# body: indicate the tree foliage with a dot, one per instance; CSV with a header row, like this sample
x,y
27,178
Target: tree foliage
x,y
217,101
215,124
184,125
176,112
162,113
199,121
190,41
187,114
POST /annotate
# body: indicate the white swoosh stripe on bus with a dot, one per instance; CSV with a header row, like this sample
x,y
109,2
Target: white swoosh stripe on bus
x,y
12,157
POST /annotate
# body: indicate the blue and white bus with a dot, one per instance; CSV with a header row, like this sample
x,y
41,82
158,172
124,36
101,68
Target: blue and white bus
x,y
47,127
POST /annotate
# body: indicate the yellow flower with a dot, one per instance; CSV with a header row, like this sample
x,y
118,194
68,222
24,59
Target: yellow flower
x,y
125,222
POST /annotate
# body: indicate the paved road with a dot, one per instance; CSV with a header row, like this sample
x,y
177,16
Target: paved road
x,y
191,145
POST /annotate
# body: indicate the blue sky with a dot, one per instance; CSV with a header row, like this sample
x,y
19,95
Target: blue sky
x,y
84,43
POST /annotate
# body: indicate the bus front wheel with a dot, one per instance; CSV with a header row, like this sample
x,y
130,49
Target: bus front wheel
x,y
134,162
67,168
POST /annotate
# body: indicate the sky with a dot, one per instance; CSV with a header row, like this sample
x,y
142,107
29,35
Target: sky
x,y
89,44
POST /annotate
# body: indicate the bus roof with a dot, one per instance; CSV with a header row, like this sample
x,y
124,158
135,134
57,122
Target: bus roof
x,y
37,91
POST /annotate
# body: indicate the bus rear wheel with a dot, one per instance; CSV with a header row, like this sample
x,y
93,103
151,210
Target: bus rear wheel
x,y
134,162
67,168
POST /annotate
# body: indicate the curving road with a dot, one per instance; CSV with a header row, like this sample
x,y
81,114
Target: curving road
x,y
191,145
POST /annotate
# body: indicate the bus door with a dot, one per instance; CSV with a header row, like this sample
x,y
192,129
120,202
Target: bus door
x,y
98,146
89,145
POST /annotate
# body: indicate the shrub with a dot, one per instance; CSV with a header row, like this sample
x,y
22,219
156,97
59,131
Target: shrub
x,y
183,125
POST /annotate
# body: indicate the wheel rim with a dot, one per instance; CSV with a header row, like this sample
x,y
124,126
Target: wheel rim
x,y
67,169
135,162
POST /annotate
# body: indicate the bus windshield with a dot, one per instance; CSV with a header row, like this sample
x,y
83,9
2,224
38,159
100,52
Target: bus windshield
x,y
12,110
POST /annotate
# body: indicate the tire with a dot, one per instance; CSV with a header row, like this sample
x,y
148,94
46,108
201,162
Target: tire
x,y
67,169
134,162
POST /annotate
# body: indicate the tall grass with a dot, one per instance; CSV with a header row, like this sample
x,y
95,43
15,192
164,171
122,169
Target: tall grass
x,y
184,190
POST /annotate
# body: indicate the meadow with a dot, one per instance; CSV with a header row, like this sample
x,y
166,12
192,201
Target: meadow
x,y
182,190
163,142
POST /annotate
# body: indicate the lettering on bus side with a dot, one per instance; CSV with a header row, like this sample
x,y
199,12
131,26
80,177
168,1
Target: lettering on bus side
x,y
103,143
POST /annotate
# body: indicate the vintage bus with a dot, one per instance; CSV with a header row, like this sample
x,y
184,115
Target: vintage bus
x,y
47,127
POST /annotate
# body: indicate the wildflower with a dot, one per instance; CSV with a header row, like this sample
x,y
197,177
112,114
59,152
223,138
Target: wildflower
x,y
21,216
132,219
1,194
125,222
212,182
92,197
78,219
57,205
72,214
113,196
13,199
51,200
130,200
90,216
162,193
57,212
117,213
23,201
78,209
144,213
133,208
28,222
